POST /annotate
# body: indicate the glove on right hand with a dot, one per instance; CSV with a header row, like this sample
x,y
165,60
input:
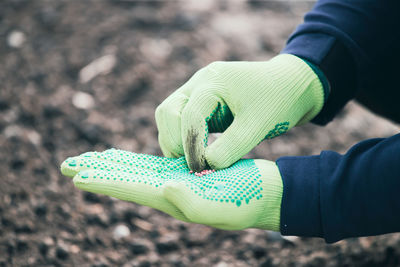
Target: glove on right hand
x,y
247,101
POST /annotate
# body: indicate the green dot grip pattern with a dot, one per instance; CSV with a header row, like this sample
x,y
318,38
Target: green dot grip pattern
x,y
219,119
279,129
238,184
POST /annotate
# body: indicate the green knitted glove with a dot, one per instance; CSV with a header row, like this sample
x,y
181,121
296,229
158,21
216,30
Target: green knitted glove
x,y
246,195
247,101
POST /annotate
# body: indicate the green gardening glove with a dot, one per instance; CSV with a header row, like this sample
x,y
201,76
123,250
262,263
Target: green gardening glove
x,y
247,101
246,195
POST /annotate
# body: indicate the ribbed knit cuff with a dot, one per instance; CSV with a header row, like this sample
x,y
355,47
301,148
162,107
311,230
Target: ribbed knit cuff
x,y
321,76
269,218
335,61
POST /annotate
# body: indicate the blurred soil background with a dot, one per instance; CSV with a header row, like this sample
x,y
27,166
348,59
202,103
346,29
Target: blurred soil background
x,y
79,76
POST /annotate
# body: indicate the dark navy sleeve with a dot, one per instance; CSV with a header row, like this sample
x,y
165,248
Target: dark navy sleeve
x,y
355,44
337,196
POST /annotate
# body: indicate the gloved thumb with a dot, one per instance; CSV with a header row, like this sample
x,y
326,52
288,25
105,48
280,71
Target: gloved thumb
x,y
237,140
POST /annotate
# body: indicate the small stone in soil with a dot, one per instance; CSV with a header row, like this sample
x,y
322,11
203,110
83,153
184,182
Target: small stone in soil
x,y
121,231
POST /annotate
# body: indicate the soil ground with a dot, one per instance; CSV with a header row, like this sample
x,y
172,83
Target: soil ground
x,y
87,75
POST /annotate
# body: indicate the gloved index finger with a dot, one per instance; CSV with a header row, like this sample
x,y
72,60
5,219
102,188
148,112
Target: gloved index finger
x,y
71,166
144,161
120,160
168,119
134,159
195,116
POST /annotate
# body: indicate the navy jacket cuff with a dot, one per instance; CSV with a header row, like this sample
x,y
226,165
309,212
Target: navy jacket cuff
x,y
300,208
335,62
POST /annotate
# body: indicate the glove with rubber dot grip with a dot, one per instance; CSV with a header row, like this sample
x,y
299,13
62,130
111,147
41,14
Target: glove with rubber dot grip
x,y
246,195
246,101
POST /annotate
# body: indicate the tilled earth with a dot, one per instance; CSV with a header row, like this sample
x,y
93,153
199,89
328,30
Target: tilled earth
x,y
87,75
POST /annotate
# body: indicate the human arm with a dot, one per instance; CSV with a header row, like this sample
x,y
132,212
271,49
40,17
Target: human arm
x,y
339,196
330,195
355,44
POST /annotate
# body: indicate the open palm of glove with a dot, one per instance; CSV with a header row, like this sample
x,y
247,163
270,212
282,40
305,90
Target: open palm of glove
x,y
247,101
247,194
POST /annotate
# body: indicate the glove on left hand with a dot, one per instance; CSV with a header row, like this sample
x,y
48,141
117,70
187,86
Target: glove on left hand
x,y
246,195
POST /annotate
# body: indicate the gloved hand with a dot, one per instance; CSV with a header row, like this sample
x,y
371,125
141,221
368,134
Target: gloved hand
x,y
247,101
246,195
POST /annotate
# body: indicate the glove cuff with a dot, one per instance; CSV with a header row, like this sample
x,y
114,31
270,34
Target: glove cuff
x,y
322,78
303,82
269,214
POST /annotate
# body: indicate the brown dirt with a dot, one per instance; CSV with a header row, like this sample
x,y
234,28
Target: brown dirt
x,y
154,47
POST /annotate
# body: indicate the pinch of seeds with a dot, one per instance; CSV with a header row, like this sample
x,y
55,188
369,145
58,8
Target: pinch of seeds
x,y
203,172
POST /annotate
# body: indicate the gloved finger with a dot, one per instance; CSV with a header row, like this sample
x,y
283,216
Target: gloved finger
x,y
71,166
168,120
240,137
136,160
93,161
141,188
125,160
195,116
